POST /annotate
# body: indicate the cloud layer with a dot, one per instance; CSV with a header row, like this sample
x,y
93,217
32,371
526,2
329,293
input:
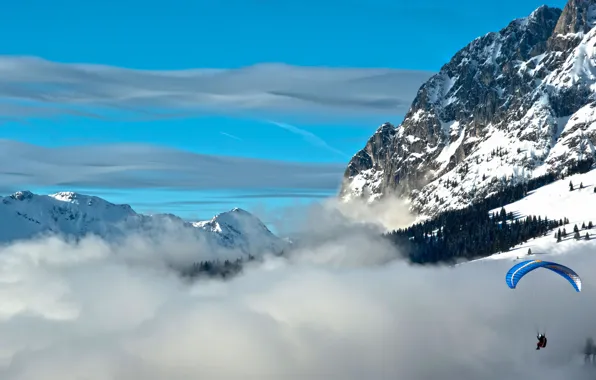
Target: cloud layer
x,y
146,166
100,312
33,87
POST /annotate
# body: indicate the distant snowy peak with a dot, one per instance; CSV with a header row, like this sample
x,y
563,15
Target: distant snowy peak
x,y
235,226
67,199
509,106
24,215
232,221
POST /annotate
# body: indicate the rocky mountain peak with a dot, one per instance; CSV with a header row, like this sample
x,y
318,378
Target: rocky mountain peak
x,y
579,16
21,195
577,19
495,113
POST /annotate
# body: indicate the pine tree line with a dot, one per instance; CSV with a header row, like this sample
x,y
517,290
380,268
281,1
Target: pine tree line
x,y
473,232
217,268
470,235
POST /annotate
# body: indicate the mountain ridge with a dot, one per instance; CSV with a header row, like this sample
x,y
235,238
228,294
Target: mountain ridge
x,y
25,215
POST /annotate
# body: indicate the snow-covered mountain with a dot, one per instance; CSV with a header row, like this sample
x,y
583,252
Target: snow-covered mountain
x,y
511,105
239,229
24,215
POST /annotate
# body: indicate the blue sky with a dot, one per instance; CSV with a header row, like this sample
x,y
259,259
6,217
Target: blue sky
x,y
285,112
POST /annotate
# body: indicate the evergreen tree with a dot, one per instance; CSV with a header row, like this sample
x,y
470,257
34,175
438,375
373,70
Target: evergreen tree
x,y
576,235
583,226
587,237
529,251
570,186
575,229
590,224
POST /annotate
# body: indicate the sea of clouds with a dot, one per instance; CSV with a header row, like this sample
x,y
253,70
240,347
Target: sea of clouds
x,y
341,306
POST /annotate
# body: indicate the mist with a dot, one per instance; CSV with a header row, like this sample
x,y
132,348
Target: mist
x,y
341,306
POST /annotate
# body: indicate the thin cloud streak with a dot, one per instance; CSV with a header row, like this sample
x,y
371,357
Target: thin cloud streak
x,y
128,166
231,136
308,136
34,87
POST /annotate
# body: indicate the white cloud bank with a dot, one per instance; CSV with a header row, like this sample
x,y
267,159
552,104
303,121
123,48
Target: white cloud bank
x,y
95,312
34,87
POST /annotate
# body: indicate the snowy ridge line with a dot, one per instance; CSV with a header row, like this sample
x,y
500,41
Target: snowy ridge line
x,y
25,215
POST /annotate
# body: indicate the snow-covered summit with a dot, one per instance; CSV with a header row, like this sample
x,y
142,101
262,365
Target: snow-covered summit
x,y
24,215
234,226
509,106
232,220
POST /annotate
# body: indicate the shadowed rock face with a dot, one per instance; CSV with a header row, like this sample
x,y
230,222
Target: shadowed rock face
x,y
577,17
495,114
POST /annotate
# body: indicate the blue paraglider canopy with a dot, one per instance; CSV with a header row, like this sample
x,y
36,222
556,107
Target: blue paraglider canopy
x,y
521,269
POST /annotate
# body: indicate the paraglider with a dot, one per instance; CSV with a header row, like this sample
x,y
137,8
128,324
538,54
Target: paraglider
x,y
518,271
521,269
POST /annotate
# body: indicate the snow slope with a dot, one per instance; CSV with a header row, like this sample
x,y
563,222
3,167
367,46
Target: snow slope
x,y
24,215
555,201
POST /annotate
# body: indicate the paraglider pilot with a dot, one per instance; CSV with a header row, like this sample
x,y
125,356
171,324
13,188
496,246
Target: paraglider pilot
x,y
541,341
519,270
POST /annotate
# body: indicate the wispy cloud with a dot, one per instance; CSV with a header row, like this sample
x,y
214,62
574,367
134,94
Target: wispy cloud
x,y
147,166
308,136
33,87
231,136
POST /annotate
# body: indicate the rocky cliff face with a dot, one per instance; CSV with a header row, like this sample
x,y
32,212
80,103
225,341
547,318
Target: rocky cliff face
x,y
509,106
